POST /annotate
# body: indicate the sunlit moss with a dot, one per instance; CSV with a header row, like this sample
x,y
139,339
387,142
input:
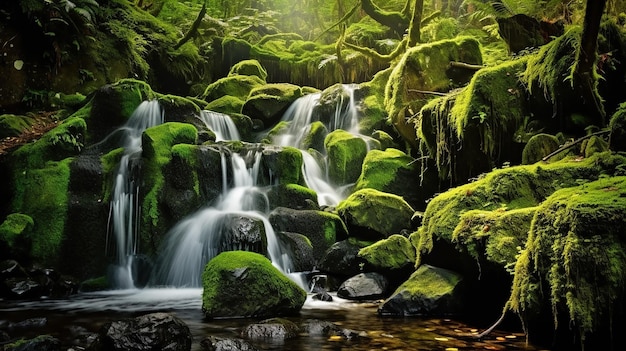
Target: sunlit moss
x,y
395,252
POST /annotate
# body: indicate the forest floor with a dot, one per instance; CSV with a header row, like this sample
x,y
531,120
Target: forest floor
x,y
42,122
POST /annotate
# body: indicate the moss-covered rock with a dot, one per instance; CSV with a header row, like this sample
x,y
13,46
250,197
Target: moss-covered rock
x,y
246,284
372,214
226,104
430,291
270,101
248,68
237,86
426,67
157,144
292,196
574,263
394,253
322,228
345,156
393,171
315,137
538,147
283,165
15,235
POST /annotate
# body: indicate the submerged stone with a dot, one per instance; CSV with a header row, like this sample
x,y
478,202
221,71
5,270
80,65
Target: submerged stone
x,y
246,284
155,331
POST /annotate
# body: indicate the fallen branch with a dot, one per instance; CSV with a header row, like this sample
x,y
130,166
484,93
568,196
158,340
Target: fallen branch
x,y
427,92
465,65
575,142
490,329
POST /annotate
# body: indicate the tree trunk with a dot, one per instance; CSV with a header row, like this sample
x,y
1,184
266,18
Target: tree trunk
x,y
393,20
587,54
416,23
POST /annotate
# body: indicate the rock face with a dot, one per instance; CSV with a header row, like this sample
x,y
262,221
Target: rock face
x,y
341,259
246,284
155,331
429,291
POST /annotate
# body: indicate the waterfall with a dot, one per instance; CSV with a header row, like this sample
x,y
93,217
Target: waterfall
x,y
124,209
200,237
222,125
300,116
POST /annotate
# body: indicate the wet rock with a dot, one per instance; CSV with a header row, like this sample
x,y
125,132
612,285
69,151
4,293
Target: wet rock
x,y
22,288
429,291
4,337
214,343
364,286
11,269
39,343
341,259
29,323
322,296
270,101
275,329
155,331
300,249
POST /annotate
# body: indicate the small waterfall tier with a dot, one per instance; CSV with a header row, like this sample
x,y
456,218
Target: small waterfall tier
x,y
221,124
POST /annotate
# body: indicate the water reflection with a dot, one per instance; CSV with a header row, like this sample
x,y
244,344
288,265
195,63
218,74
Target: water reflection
x,y
89,311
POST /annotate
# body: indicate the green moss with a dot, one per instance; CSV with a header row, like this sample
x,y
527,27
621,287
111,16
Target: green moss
x,y
13,125
315,137
237,86
292,196
430,282
539,146
248,68
576,251
506,189
42,194
373,210
157,143
617,124
95,284
266,290
381,167
345,156
226,104
188,154
395,252
110,162
15,227
440,29
289,164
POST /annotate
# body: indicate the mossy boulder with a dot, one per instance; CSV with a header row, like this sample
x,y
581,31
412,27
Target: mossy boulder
x,y
238,86
300,250
292,196
341,259
283,164
426,67
595,144
270,101
13,125
246,284
430,291
345,156
322,228
372,214
15,235
576,251
392,171
226,104
392,254
248,68
538,147
314,138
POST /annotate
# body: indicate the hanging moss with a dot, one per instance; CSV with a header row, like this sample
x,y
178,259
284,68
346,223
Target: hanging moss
x,y
576,252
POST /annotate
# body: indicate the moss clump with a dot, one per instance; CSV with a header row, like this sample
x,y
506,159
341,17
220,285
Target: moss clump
x,y
289,163
381,168
345,156
506,189
370,213
315,137
292,196
246,284
226,104
16,228
395,252
13,125
268,102
425,67
95,284
248,68
538,147
577,253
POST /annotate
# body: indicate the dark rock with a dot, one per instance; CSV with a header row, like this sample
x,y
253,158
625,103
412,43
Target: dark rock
x,y
364,286
275,329
342,259
323,296
320,328
155,331
23,288
11,269
300,249
29,323
430,291
214,343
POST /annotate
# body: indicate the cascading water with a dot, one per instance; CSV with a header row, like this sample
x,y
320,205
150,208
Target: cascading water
x,y
222,125
300,116
124,209
197,239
